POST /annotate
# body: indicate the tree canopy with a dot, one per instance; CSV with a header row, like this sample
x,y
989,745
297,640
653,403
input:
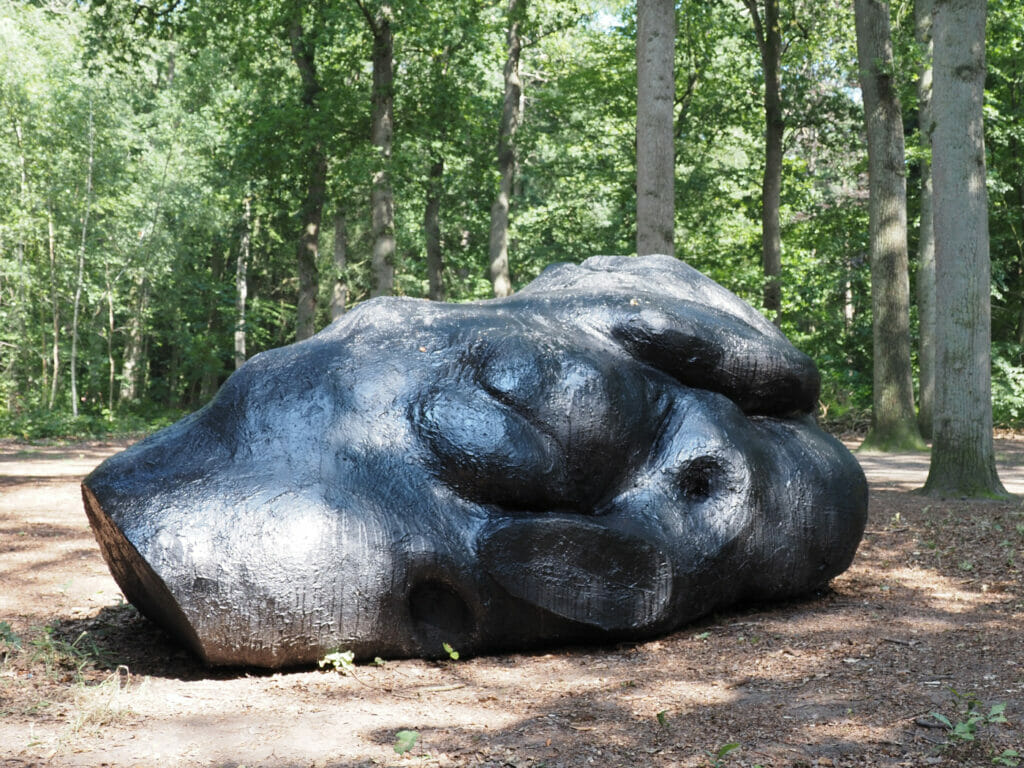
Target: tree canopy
x,y
155,157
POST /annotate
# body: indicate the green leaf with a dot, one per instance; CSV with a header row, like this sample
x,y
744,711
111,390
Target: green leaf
x,y
405,740
8,635
452,653
663,718
965,731
342,661
725,749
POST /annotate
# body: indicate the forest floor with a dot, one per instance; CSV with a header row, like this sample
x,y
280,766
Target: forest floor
x,y
928,619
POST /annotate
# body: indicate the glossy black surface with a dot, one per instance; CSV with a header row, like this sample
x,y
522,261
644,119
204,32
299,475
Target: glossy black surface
x,y
618,449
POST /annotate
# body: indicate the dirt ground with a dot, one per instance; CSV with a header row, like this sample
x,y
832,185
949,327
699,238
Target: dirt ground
x,y
928,619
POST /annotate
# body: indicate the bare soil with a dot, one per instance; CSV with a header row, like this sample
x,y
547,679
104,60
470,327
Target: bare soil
x,y
927,620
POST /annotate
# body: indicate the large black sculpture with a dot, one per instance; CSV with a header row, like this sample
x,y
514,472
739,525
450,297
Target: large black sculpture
x,y
619,448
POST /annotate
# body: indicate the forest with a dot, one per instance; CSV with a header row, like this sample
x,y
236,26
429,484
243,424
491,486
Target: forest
x,y
183,185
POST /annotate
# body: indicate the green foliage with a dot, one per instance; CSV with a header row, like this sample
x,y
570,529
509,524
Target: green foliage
x,y
405,741
342,662
193,116
8,637
452,653
718,756
57,654
1008,757
970,718
1008,384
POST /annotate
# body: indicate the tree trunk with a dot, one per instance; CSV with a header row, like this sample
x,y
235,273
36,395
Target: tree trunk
x,y
212,365
133,351
511,118
963,455
311,209
111,376
432,230
926,238
19,251
893,421
339,295
79,274
655,105
55,353
241,281
382,202
769,41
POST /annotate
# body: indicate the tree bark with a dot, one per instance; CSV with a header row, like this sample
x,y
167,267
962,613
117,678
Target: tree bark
x,y
963,454
339,295
79,274
432,230
311,209
133,352
926,299
241,281
55,306
382,203
769,41
655,106
111,375
511,119
894,421
19,257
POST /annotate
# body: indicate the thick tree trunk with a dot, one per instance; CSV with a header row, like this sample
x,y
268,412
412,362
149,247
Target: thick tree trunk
x,y
894,421
926,236
382,202
655,148
963,456
241,281
339,294
769,40
311,209
511,118
432,230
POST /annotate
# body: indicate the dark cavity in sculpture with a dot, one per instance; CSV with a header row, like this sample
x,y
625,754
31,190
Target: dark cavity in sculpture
x,y
618,449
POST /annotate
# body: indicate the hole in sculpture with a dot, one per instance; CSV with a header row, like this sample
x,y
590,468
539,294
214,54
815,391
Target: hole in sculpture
x,y
699,479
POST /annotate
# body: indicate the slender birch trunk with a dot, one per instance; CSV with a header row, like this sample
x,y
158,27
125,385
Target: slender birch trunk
x,y
241,281
55,352
79,274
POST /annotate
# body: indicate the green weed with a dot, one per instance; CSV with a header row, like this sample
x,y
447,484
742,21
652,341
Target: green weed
x,y
718,756
405,741
452,653
343,662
